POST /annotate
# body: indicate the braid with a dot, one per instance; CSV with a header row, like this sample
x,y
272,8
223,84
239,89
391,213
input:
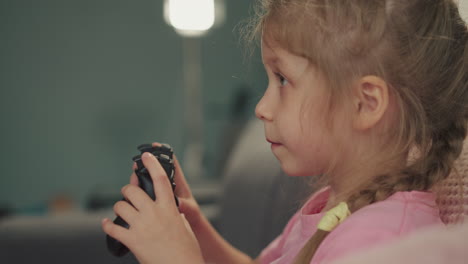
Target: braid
x,y
433,168
428,170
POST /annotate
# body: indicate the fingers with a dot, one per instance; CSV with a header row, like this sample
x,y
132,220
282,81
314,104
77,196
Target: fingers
x,y
182,188
136,196
125,211
189,208
161,184
120,233
134,179
156,144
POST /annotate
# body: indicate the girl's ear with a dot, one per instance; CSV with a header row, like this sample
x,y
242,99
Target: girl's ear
x,y
371,97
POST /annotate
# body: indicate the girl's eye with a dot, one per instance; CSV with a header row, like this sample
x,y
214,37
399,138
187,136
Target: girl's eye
x,y
281,79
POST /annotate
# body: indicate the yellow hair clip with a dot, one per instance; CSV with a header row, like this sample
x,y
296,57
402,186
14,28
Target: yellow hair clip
x,y
333,217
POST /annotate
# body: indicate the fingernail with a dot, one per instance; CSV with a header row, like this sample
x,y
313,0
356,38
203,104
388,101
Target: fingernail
x,y
148,155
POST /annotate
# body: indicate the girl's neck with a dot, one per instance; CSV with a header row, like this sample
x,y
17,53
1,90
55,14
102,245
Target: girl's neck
x,y
346,182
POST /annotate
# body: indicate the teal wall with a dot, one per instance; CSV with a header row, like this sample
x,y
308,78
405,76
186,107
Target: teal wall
x,y
84,82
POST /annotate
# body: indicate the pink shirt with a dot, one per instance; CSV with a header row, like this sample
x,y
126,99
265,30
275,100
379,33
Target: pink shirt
x,y
375,224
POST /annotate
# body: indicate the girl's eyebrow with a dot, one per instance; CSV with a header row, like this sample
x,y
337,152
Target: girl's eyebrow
x,y
273,60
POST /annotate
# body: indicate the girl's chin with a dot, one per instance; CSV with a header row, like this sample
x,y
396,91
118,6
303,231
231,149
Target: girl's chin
x,y
294,171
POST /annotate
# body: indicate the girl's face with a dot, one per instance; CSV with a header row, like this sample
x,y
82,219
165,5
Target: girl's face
x,y
294,110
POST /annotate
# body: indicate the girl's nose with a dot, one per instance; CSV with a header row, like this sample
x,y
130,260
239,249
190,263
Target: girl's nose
x,y
262,110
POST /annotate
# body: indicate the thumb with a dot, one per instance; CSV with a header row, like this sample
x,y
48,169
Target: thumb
x,y
188,208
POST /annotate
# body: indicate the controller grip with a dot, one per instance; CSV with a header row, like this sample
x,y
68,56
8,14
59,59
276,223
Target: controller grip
x,y
146,183
116,247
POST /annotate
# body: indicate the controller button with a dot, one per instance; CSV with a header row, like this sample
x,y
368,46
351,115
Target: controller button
x,y
145,147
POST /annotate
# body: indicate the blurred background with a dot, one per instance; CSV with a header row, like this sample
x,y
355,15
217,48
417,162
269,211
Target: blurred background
x,y
83,83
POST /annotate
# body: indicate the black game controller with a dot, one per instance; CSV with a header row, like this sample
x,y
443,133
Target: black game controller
x,y
164,155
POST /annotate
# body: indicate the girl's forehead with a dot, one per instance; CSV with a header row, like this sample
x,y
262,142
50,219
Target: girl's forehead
x,y
269,54
274,54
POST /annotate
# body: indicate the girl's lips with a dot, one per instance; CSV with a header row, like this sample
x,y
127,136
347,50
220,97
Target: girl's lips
x,y
273,144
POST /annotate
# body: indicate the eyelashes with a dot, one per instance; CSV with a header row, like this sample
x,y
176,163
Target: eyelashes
x,y
283,81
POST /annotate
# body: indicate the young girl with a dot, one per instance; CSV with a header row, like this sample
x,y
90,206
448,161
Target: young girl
x,y
370,93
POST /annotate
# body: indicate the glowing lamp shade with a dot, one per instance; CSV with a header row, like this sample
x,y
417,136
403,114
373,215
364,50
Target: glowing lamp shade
x,y
190,17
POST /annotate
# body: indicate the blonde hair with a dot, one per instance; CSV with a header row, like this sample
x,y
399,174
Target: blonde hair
x,y
418,47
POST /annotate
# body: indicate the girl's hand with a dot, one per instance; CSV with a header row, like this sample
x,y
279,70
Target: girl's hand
x,y
187,203
158,233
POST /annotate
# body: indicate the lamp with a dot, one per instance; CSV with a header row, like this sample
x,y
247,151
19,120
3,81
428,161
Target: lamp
x,y
192,19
